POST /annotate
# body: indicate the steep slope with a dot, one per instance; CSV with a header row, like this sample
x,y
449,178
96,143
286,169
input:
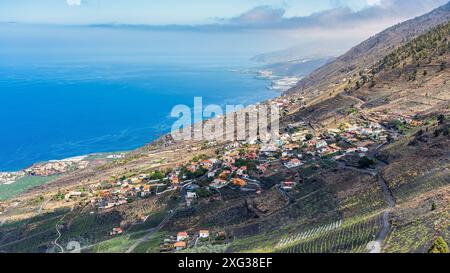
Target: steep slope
x,y
411,80
369,52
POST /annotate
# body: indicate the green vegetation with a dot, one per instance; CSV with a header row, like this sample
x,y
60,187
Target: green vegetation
x,y
22,185
439,246
400,126
353,237
365,162
219,248
58,197
157,175
250,164
422,49
152,245
199,158
433,206
116,245
193,175
203,193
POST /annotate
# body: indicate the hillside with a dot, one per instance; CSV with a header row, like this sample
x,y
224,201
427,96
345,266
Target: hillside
x,y
369,52
360,168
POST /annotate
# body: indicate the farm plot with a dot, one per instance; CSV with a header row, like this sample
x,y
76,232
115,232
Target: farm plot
x,y
352,236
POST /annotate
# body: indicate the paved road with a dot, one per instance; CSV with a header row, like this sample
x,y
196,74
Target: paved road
x,y
375,247
59,237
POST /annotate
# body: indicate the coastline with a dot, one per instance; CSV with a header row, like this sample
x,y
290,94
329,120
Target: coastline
x,y
51,167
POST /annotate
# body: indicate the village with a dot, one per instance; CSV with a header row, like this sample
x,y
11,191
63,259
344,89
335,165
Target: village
x,y
238,166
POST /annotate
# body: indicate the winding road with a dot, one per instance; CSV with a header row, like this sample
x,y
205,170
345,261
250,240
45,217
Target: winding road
x,y
59,237
375,246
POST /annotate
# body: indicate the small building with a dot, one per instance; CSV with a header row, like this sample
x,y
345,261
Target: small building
x,y
239,182
288,185
204,233
212,174
218,183
116,231
181,236
293,163
72,194
180,245
321,144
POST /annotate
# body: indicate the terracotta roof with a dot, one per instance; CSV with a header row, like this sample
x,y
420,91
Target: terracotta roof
x,y
180,244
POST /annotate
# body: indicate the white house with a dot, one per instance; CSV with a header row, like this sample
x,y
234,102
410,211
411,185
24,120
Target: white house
x,y
321,144
181,236
204,234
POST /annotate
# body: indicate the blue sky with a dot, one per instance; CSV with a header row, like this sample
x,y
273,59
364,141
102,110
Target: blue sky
x,y
317,27
155,11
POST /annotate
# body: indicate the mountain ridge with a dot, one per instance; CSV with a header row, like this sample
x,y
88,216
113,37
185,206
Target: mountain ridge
x,y
370,51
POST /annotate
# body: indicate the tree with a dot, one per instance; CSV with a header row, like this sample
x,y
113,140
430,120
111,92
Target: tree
x,y
365,162
309,137
433,206
439,246
441,119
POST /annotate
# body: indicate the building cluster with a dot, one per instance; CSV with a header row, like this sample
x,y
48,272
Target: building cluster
x,y
56,167
10,177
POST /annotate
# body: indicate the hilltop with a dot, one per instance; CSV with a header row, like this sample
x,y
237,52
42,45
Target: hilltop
x,y
369,52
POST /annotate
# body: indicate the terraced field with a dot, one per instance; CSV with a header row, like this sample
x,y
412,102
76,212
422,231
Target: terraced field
x,y
417,235
352,236
293,239
414,183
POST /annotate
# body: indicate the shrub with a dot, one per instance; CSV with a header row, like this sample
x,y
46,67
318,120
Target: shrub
x,y
365,162
433,206
309,137
439,246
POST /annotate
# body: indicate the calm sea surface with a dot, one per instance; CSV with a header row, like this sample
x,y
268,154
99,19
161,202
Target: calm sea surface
x,y
57,105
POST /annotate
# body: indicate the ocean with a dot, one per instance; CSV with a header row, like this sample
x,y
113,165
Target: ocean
x,y
60,100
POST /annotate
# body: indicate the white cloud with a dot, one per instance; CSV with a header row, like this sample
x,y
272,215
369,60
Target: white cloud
x,y
260,14
73,2
373,2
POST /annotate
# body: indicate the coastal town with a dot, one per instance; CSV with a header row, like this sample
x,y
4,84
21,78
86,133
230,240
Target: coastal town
x,y
57,167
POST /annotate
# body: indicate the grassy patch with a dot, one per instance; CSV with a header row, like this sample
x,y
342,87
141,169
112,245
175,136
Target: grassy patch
x,y
152,245
23,184
115,245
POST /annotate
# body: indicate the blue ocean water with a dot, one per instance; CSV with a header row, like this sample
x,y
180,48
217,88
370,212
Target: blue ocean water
x,y
63,106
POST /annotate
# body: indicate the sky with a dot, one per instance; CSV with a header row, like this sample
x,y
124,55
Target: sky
x,y
182,12
151,11
317,27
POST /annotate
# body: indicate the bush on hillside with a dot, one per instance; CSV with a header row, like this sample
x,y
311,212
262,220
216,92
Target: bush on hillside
x,y
439,246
